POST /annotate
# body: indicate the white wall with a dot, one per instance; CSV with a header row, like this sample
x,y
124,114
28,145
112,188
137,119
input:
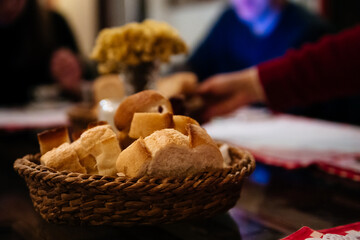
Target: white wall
x,y
122,11
192,20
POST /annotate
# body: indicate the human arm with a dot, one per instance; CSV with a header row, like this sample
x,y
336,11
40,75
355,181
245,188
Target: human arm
x,y
66,69
317,72
223,93
65,63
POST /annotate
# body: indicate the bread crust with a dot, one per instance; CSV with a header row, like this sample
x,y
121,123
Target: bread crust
x,y
198,136
52,138
133,161
145,101
161,139
85,158
101,143
63,158
181,122
169,153
144,124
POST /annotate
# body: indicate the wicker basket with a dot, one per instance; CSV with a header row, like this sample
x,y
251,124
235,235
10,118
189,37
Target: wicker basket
x,y
73,198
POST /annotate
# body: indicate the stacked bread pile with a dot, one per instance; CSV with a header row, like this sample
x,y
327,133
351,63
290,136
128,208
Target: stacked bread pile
x,y
149,140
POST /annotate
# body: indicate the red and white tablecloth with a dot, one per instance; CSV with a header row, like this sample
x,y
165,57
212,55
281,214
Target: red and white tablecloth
x,y
45,115
292,142
346,232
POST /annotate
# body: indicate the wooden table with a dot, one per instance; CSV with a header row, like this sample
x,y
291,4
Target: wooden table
x,y
269,208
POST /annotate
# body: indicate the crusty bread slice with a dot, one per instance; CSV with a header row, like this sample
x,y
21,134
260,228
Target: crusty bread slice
x,y
133,161
144,124
91,137
62,158
163,138
176,84
180,123
179,160
101,142
169,153
106,161
86,159
145,101
203,145
108,86
198,136
53,138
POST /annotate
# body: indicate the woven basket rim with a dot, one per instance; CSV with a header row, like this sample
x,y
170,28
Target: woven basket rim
x,y
75,198
246,163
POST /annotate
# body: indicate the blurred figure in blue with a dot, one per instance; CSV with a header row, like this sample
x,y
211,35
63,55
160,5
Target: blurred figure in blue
x,y
37,47
249,32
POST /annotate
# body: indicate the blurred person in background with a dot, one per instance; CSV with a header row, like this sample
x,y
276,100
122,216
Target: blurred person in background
x,y
37,47
317,72
249,32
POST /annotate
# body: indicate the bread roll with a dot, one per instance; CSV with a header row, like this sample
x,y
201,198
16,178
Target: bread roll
x,y
173,154
144,124
62,158
145,101
53,138
108,86
180,123
101,142
176,84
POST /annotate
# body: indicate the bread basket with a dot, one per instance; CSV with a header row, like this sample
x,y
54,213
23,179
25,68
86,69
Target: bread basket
x,y
73,198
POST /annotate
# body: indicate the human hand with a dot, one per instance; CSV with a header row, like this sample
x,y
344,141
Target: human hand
x,y
66,69
224,93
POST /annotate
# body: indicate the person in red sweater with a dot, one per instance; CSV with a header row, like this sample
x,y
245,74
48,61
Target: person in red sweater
x,y
317,72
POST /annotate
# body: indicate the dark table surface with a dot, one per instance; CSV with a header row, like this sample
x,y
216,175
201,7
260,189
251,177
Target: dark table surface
x,y
274,203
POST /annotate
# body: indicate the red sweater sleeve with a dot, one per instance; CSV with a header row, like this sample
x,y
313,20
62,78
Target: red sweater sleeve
x,y
327,69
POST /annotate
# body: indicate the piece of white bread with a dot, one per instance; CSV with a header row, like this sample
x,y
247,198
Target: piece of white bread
x,y
53,138
144,124
108,86
133,160
145,101
173,154
181,122
62,158
177,84
101,143
85,158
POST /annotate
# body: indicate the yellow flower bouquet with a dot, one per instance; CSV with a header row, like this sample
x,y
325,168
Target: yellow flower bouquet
x,y
137,49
